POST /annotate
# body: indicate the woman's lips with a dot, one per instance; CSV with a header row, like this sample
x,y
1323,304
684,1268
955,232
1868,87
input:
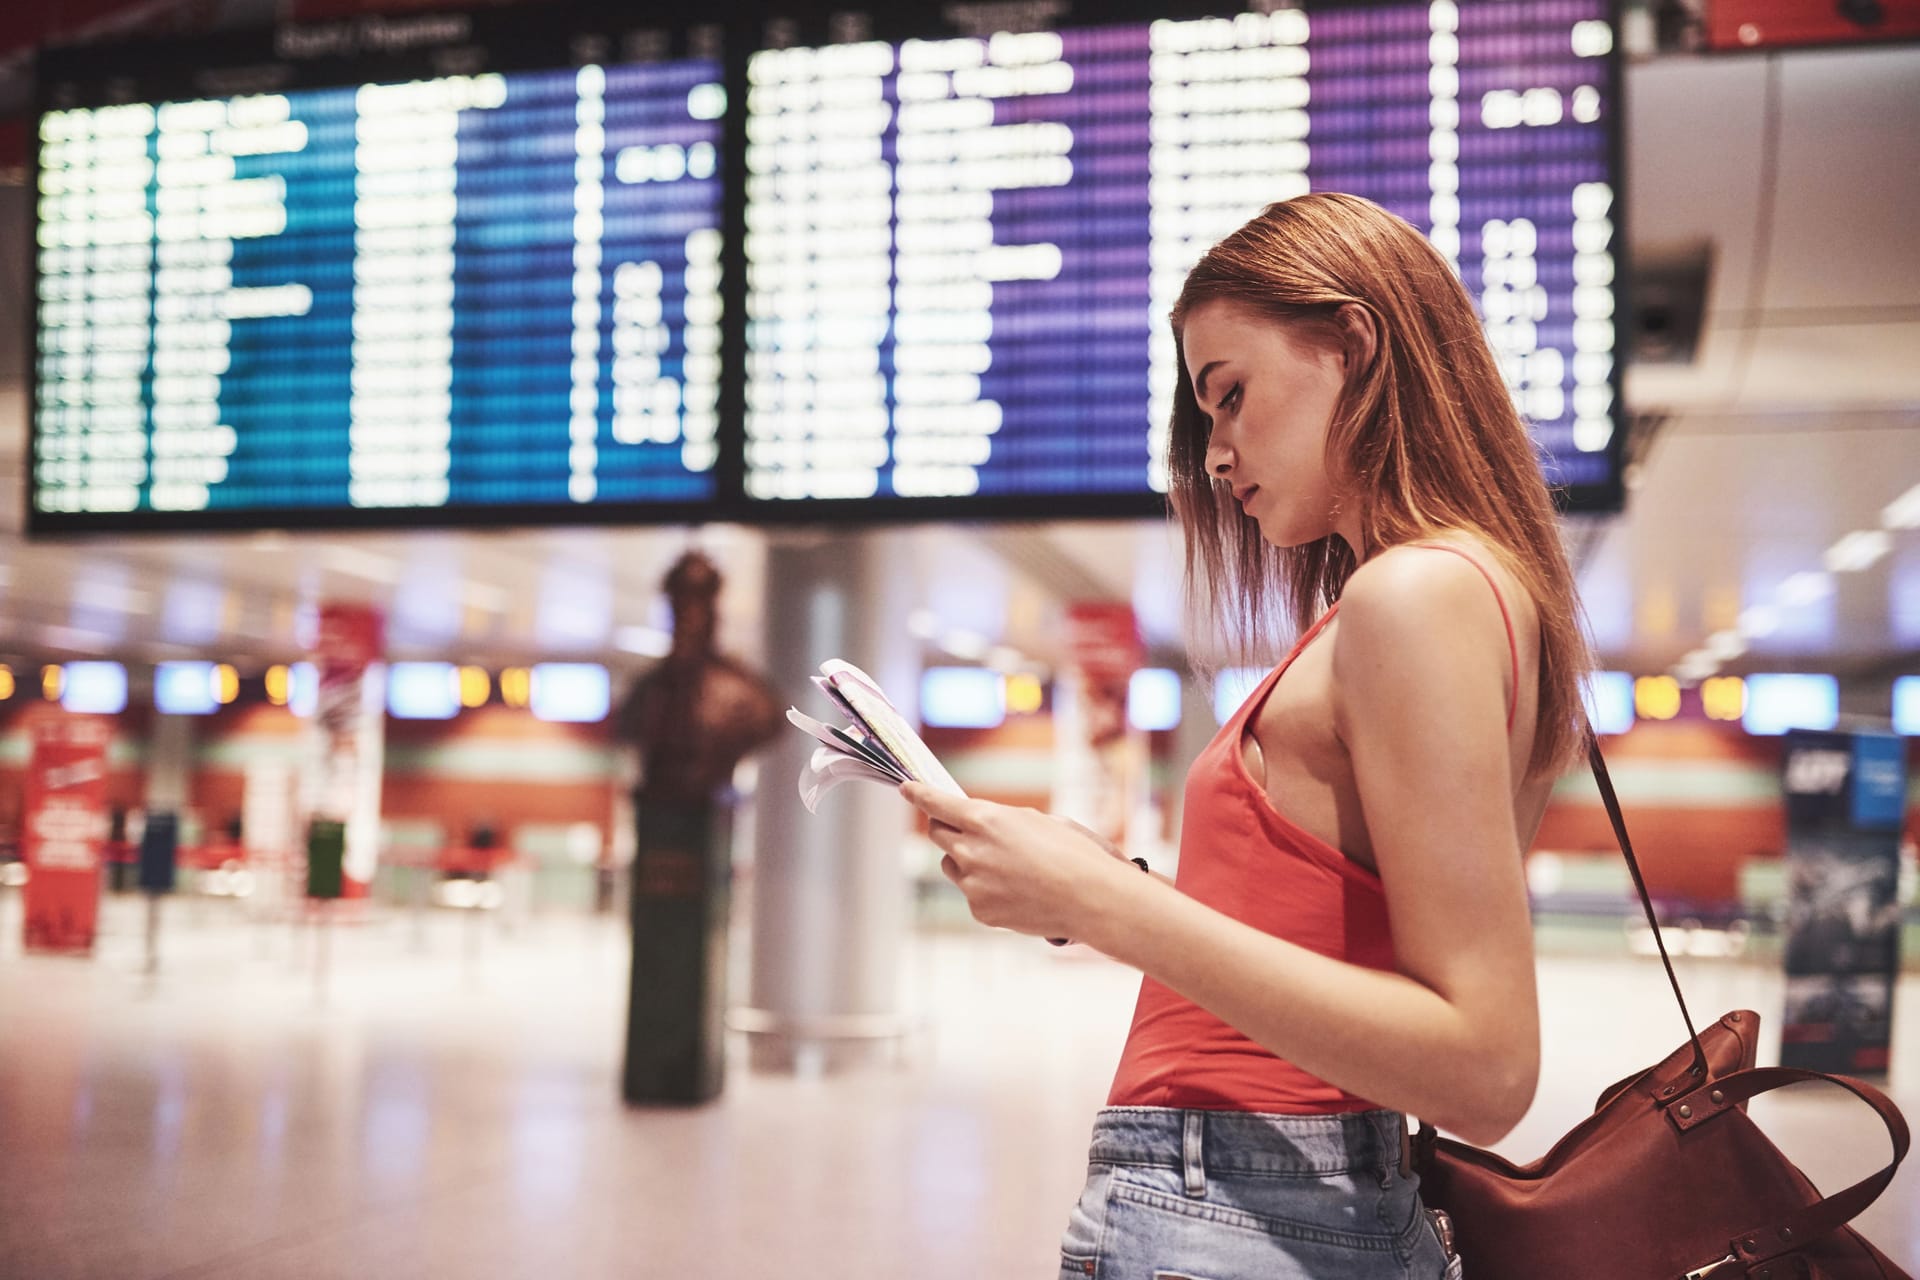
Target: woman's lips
x,y
1244,496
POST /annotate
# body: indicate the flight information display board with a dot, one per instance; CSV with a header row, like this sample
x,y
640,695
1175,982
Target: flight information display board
x,y
961,250
545,263
448,266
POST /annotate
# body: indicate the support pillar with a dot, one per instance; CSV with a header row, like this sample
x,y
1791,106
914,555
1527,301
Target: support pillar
x,y
830,890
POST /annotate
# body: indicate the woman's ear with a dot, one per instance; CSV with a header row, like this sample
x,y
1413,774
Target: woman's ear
x,y
1359,336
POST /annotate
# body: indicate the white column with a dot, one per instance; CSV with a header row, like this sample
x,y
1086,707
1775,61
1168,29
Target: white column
x,y
830,889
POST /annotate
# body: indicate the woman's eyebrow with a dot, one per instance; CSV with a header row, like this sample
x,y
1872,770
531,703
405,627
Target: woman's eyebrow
x,y
1200,383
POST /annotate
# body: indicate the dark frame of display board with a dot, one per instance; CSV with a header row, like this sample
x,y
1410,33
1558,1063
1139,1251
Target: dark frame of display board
x,y
552,37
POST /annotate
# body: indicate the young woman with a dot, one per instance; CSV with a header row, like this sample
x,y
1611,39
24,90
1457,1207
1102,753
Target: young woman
x,y
1348,938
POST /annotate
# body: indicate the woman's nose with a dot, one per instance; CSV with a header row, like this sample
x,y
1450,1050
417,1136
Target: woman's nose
x,y
1219,461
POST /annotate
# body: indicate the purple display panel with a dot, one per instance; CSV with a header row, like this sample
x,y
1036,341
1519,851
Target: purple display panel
x,y
961,252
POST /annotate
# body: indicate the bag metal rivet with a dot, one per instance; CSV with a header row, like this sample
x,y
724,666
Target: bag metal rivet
x,y
1786,1233
1718,1097
1667,1092
1733,1017
1686,1112
1751,1243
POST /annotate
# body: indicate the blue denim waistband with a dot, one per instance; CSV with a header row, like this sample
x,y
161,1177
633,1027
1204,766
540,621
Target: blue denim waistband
x,y
1361,1142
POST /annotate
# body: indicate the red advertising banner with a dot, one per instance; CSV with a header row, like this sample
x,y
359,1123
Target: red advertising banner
x,y
349,723
1103,639
65,830
1767,24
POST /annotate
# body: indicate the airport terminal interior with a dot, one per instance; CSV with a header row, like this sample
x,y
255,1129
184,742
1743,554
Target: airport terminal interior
x,y
438,443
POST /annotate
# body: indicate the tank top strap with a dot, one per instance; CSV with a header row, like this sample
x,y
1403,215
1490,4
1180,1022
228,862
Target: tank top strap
x,y
1257,696
1506,619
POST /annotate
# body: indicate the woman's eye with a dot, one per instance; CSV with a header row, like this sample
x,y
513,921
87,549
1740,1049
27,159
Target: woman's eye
x,y
1231,400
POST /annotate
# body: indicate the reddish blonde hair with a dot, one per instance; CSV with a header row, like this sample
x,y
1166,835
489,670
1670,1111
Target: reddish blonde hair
x,y
1425,437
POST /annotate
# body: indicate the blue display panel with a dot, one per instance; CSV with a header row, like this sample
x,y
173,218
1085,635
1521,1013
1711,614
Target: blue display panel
x,y
960,250
431,296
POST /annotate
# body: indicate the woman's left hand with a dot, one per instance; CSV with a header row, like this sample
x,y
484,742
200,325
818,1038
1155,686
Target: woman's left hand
x,y
1019,868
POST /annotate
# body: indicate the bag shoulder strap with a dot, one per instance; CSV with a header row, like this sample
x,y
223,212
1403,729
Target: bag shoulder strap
x,y
1767,1241
1612,802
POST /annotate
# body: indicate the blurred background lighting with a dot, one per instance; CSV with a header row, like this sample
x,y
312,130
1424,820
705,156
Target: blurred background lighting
x,y
1724,698
97,687
1858,550
1904,511
1609,699
278,683
1025,694
185,689
962,698
516,686
226,683
570,692
303,688
1906,706
51,679
1231,687
475,687
1153,699
1656,697
6,682
1777,703
423,691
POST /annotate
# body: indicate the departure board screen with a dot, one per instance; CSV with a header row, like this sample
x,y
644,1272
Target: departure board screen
x,y
961,250
349,284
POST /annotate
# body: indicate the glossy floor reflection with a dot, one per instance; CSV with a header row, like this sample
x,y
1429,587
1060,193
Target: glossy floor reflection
x,y
447,1107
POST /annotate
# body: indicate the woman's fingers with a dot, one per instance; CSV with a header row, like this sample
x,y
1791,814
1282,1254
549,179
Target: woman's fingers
x,y
937,805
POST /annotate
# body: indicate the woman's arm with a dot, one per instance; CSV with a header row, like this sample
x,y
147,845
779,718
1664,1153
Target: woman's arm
x,y
1420,663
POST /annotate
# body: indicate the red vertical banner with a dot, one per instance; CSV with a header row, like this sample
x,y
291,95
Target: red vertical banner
x,y
349,719
65,830
1101,760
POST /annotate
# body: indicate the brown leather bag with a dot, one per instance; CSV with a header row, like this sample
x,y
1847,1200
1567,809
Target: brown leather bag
x,y
1668,1179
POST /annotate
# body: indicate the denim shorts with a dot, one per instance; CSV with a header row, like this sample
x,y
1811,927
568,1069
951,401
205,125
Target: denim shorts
x,y
1232,1195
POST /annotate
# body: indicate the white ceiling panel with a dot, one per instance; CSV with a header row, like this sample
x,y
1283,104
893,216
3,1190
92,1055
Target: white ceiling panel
x,y
1839,365
1694,161
1847,180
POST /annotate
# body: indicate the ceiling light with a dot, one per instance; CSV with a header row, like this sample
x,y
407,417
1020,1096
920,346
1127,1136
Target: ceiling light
x,y
1695,667
1903,512
1805,588
1758,622
1858,550
1725,646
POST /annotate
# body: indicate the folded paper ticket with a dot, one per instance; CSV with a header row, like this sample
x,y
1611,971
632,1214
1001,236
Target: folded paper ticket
x,y
877,744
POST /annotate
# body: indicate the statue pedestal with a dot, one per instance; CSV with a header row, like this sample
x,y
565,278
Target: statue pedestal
x,y
676,1007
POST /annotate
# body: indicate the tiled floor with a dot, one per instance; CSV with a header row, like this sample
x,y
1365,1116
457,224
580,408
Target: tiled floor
x,y
449,1109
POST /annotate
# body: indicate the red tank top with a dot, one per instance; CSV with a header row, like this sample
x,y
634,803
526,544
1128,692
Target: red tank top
x,y
1241,856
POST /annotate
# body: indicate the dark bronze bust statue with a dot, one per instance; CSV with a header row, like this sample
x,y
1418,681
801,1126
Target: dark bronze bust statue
x,y
697,712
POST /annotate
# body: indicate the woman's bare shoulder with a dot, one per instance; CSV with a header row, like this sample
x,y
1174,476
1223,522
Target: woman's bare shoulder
x,y
1447,573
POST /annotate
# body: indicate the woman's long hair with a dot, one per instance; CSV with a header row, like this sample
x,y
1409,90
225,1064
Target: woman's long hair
x,y
1425,434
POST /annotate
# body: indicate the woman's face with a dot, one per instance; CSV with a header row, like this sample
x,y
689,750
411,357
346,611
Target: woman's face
x,y
1270,394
